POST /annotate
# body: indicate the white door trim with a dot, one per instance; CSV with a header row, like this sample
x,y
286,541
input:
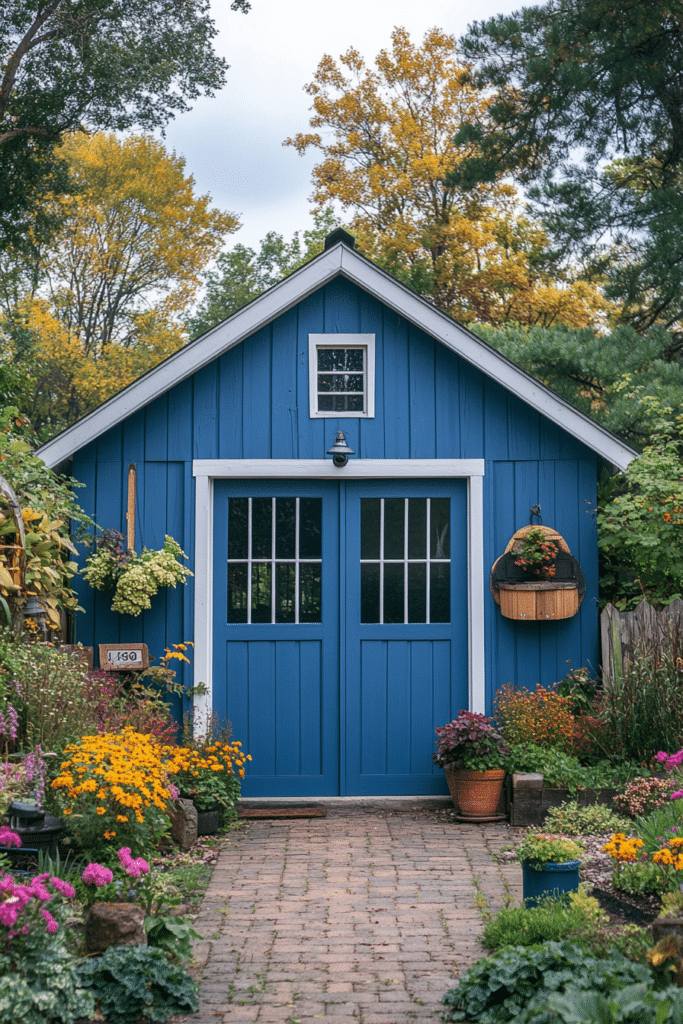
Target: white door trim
x,y
207,470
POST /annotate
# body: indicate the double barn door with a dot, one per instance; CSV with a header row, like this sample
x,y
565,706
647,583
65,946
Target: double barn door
x,y
340,630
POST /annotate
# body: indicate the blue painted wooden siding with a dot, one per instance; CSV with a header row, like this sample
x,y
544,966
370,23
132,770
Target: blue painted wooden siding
x,y
253,403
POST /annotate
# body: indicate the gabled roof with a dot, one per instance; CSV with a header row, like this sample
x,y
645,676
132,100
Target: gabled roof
x,y
339,259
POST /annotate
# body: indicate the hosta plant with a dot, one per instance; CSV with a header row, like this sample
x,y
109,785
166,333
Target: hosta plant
x,y
133,982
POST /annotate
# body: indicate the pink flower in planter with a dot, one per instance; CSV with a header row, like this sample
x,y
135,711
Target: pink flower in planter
x,y
95,874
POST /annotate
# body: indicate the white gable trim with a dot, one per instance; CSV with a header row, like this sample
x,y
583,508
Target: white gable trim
x,y
282,296
206,471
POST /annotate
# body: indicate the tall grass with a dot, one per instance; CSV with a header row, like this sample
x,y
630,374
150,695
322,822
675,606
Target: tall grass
x,y
642,710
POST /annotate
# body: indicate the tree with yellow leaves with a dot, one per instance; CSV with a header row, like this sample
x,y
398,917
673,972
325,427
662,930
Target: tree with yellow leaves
x,y
115,280
386,136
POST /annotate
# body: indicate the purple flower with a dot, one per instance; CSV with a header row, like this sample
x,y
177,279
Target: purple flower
x,y
95,874
677,796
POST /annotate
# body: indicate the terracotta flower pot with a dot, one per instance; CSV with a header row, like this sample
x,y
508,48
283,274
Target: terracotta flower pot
x,y
475,795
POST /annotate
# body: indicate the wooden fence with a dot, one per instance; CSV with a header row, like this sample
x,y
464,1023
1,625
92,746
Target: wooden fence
x,y
619,630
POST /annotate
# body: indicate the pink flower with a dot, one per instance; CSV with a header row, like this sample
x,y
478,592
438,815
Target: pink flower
x,y
677,795
9,912
37,888
64,887
50,922
133,866
95,874
9,838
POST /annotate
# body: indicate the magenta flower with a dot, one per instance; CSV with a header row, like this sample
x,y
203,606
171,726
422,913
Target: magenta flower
x,y
9,912
133,866
9,838
95,874
50,922
64,887
677,795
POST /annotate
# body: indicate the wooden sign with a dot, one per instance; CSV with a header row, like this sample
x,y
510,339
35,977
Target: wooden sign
x,y
123,657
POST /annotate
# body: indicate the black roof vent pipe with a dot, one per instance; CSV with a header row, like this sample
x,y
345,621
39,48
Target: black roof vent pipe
x,y
339,235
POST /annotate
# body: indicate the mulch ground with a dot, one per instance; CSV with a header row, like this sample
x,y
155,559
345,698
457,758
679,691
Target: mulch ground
x,y
626,908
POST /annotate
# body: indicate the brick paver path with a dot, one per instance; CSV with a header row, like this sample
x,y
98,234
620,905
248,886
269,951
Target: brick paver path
x,y
365,916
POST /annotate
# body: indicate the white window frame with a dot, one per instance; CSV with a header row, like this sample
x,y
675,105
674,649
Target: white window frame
x,y
206,471
318,341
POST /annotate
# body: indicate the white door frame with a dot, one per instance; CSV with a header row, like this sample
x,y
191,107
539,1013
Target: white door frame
x,y
206,471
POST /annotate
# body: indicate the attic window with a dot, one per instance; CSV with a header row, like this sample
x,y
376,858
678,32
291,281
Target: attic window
x,y
341,375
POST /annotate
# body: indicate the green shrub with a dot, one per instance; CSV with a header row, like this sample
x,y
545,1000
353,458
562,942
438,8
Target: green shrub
x,y
548,921
641,878
556,767
561,770
572,820
635,1004
43,989
578,917
517,984
130,982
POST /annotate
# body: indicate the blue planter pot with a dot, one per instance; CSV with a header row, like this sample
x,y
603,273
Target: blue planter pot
x,y
552,881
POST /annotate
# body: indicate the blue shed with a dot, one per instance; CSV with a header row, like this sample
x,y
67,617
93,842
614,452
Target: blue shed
x,y
341,613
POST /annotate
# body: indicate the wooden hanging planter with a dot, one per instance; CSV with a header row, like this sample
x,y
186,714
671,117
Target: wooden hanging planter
x,y
524,598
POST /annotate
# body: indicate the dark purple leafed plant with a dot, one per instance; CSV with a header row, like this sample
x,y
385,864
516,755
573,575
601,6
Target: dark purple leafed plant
x,y
470,741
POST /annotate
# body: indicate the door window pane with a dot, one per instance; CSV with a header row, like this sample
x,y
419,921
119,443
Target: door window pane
x,y
261,527
274,583
238,592
238,528
285,528
440,536
369,592
405,567
394,591
394,527
370,511
310,592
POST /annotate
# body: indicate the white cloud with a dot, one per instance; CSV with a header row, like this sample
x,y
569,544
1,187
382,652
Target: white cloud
x,y
232,143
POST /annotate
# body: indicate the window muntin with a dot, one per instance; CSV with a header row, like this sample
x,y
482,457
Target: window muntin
x,y
342,375
405,564
274,560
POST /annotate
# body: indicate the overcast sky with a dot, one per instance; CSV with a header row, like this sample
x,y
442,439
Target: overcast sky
x,y
232,143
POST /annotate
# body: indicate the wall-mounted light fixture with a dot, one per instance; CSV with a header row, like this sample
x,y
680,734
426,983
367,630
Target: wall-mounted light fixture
x,y
340,451
35,612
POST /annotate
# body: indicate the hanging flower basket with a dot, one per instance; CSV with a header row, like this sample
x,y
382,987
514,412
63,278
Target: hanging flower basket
x,y
537,578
